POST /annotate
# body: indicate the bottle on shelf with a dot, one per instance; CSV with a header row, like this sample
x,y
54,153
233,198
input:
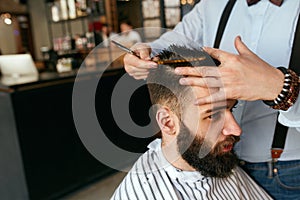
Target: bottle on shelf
x,y
81,8
90,40
67,43
63,9
97,7
72,9
55,12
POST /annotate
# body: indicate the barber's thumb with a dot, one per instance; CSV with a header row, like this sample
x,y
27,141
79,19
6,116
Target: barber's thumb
x,y
144,54
241,47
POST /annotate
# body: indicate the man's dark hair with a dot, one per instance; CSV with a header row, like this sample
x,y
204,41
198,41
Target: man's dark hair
x,y
163,83
126,21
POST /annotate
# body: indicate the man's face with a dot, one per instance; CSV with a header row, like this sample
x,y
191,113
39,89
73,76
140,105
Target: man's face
x,y
104,29
207,135
125,27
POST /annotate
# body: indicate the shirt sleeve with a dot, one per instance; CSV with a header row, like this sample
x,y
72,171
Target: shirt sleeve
x,y
291,117
188,32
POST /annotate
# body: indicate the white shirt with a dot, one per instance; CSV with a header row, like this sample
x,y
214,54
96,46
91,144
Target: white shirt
x,y
268,30
153,177
129,38
106,39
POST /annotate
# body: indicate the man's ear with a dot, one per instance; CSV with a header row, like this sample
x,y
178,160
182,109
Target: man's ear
x,y
166,120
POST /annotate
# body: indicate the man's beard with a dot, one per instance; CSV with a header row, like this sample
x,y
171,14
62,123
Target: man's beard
x,y
216,163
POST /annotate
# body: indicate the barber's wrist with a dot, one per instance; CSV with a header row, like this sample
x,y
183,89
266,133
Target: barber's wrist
x,y
289,92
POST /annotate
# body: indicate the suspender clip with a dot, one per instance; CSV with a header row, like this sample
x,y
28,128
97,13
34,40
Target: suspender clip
x,y
276,153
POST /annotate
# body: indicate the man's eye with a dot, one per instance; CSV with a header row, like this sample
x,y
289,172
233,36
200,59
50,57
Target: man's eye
x,y
215,116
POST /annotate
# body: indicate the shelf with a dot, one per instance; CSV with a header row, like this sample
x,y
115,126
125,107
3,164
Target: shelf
x,y
69,20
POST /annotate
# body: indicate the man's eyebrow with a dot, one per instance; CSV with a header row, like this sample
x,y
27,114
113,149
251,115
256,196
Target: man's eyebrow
x,y
216,109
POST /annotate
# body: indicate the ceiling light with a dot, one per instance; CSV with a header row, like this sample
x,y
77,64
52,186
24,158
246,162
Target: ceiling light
x,y
6,17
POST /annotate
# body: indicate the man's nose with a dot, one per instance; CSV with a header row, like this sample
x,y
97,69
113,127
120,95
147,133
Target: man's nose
x,y
231,127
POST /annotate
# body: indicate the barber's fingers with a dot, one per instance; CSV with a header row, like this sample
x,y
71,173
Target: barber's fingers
x,y
223,56
140,67
209,82
198,71
137,73
144,54
217,54
142,50
140,77
141,73
134,65
218,96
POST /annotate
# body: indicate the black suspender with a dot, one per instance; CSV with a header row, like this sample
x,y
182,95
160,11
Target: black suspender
x,y
223,22
295,61
280,130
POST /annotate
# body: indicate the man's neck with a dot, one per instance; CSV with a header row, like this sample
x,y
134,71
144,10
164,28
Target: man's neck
x,y
172,155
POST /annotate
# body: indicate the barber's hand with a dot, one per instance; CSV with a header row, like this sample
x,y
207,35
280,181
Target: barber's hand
x,y
139,67
244,76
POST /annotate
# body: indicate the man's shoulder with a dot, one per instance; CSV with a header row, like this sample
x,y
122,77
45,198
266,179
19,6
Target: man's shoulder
x,y
145,179
209,8
150,161
134,34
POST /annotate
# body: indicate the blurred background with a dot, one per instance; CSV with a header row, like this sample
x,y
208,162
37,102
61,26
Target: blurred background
x,y
42,156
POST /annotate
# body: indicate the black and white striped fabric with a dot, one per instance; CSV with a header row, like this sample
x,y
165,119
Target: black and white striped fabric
x,y
153,178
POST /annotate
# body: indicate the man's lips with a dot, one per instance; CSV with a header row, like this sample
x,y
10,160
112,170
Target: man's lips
x,y
227,147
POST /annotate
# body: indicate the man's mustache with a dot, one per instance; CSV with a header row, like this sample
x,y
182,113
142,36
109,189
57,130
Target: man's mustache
x,y
233,139
230,140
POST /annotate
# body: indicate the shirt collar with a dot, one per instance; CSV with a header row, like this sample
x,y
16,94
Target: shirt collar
x,y
275,2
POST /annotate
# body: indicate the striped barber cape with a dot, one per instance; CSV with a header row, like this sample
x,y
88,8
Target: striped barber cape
x,y
153,178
